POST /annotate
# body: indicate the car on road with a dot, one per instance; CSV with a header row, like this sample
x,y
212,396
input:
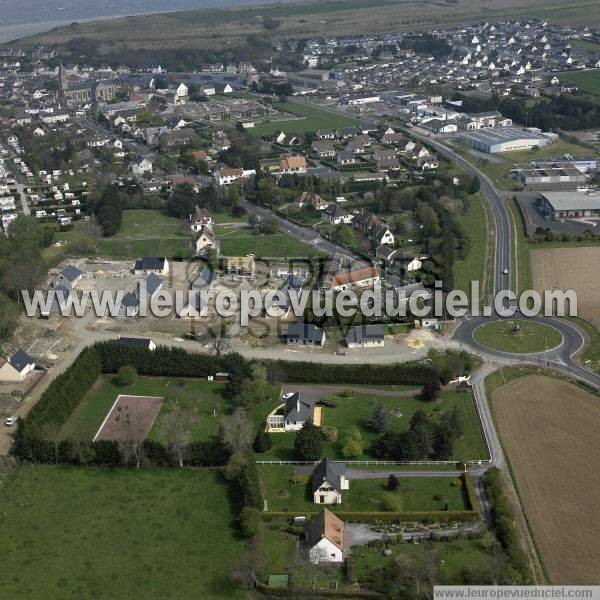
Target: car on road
x,y
10,421
505,271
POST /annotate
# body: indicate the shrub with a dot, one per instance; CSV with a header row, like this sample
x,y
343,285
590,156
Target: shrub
x,y
354,445
328,400
250,522
330,433
308,444
393,483
457,483
431,390
126,375
249,485
262,441
392,503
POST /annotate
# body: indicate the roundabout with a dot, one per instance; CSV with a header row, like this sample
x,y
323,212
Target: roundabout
x,y
517,336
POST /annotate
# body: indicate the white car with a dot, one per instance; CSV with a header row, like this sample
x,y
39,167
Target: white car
x,y
505,271
10,421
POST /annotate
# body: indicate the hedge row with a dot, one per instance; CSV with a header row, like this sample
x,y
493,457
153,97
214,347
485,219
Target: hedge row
x,y
504,524
471,495
412,373
434,516
293,592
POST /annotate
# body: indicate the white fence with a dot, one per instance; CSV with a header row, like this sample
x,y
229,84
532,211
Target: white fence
x,y
378,462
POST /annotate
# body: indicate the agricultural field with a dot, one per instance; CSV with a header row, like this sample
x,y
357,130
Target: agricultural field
x,y
364,495
575,269
204,396
304,117
530,336
149,533
355,411
549,430
216,29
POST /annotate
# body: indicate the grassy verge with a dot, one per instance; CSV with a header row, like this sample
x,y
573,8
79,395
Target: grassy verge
x,y
590,357
90,533
521,251
475,265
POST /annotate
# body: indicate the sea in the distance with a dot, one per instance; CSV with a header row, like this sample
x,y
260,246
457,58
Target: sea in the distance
x,y
25,17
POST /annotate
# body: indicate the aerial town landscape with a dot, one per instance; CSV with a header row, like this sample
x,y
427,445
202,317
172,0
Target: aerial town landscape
x,y
281,295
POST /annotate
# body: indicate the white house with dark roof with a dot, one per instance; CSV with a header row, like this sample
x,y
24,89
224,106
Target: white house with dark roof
x,y
146,343
328,480
158,265
17,366
305,334
68,277
296,410
365,336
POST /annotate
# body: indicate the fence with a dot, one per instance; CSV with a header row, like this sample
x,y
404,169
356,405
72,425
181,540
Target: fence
x,y
378,462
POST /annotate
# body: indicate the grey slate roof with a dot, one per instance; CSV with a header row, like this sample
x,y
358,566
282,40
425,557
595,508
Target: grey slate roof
x,y
71,272
328,471
204,279
365,333
150,262
305,331
298,408
20,359
129,341
151,283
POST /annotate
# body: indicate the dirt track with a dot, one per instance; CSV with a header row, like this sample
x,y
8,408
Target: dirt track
x,y
570,269
549,429
130,418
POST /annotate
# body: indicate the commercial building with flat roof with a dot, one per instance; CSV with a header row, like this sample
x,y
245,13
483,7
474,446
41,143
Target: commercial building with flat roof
x,y
505,139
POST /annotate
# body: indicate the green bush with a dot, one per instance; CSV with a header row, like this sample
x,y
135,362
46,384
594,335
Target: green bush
x,y
330,433
250,522
262,441
308,444
126,375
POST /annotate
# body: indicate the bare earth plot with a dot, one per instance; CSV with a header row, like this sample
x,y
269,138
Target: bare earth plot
x,y
549,429
130,417
570,269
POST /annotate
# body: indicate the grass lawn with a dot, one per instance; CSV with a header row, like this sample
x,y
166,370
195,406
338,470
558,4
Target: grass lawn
x,y
205,396
590,357
241,243
588,81
364,495
532,337
356,412
147,233
453,557
473,266
86,533
312,118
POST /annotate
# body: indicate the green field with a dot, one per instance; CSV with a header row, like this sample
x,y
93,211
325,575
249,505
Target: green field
x,y
531,337
356,412
83,533
364,495
243,242
206,397
588,81
312,118
473,267
147,233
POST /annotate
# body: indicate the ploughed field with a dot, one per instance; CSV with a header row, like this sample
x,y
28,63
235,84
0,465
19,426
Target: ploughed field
x,y
549,430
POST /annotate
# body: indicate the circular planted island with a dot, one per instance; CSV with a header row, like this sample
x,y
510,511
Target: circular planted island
x,y
517,336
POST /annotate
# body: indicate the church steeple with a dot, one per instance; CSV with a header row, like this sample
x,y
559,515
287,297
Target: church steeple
x,y
63,83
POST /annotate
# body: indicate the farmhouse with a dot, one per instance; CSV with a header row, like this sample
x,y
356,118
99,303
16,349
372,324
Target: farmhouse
x,y
305,334
325,538
296,410
327,482
365,336
68,277
569,205
158,265
17,367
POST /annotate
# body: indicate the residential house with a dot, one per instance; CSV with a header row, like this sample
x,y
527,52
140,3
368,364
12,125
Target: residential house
x,y
205,239
68,277
200,218
324,538
328,480
325,134
323,149
312,199
336,215
158,265
141,166
204,280
365,220
17,367
305,334
346,158
362,277
196,307
384,165
146,343
293,164
240,265
149,287
227,176
382,235
365,336
285,139
297,409
130,305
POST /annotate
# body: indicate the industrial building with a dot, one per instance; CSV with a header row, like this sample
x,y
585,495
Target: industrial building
x,y
570,205
542,172
505,139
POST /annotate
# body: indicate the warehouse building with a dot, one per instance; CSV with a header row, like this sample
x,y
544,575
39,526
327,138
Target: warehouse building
x,y
505,139
542,172
570,205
